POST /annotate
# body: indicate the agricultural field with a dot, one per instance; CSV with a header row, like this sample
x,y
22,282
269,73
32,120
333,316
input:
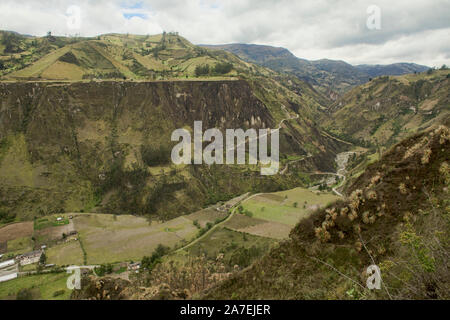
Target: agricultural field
x,y
206,215
16,230
69,253
48,230
15,238
50,221
287,207
258,227
109,238
50,286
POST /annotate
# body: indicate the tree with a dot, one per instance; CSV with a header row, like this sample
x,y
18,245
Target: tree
x,y
295,204
149,263
24,294
2,65
223,68
202,70
43,259
103,269
11,43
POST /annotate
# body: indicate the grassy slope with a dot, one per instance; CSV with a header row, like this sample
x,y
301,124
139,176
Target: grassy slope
x,y
401,205
280,206
43,286
388,109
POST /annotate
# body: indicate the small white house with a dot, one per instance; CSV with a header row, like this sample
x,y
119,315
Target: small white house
x,y
59,219
7,263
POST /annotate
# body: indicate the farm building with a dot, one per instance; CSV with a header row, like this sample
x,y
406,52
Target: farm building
x,y
134,266
30,257
7,263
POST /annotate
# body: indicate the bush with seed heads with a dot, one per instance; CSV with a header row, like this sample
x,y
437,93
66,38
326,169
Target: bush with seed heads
x,y
322,234
344,211
426,156
371,195
365,217
415,148
375,179
402,188
445,171
444,134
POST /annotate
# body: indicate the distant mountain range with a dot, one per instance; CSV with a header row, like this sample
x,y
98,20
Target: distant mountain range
x,y
328,76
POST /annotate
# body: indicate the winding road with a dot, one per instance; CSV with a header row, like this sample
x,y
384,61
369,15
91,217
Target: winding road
x,y
244,199
341,160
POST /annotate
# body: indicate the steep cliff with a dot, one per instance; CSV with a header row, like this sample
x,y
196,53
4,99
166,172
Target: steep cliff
x,y
106,146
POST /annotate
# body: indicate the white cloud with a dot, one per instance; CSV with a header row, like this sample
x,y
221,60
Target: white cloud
x,y
411,31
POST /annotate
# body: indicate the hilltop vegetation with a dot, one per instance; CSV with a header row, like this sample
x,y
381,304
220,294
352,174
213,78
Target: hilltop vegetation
x,y
112,56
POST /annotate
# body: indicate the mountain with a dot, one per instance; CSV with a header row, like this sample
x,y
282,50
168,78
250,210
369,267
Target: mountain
x,y
395,216
85,124
85,129
394,69
388,109
255,53
327,76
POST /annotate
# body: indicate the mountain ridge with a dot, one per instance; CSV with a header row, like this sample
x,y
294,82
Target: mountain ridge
x,y
324,74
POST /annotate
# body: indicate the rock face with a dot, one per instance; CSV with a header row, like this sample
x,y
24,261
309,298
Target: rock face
x,y
86,146
31,106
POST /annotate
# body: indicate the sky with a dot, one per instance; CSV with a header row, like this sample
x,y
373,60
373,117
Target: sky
x,y
358,32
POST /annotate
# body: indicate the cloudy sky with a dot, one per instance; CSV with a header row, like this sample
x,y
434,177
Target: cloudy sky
x,y
358,32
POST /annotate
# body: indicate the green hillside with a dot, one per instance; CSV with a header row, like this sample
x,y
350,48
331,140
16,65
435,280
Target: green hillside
x,y
86,126
397,217
387,109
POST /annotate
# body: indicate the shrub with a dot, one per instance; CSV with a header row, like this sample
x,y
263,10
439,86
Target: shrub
x,y
58,293
197,224
156,155
202,70
24,294
223,68
149,263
